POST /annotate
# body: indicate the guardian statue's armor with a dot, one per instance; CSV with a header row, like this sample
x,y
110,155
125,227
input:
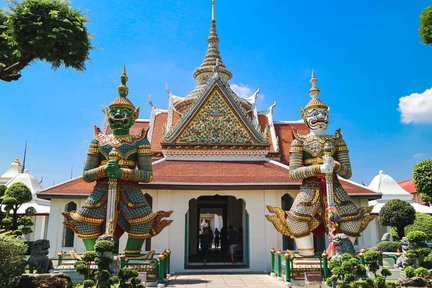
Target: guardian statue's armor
x,y
133,164
312,156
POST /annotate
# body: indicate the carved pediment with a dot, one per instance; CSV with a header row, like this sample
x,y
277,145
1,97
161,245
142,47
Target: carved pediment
x,y
216,118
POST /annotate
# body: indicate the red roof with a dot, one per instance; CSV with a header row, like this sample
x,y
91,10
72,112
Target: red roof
x,y
408,185
160,120
285,135
216,174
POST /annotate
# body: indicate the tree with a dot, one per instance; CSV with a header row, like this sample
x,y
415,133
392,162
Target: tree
x,y
426,25
398,214
47,30
423,222
2,191
12,261
422,173
16,195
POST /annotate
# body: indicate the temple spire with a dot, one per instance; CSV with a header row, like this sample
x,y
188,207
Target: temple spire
x,y
212,57
213,11
314,91
123,90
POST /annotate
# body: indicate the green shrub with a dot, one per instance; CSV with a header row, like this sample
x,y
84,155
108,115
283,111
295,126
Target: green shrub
x,y
380,282
421,272
389,246
416,236
423,222
398,214
88,256
88,283
372,259
12,261
385,272
409,272
104,246
427,262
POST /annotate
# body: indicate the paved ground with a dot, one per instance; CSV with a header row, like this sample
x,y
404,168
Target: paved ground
x,y
224,281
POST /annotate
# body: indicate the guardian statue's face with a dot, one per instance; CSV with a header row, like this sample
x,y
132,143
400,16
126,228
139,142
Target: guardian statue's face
x,y
120,118
316,118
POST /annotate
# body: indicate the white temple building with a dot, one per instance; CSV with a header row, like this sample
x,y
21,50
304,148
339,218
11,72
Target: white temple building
x,y
15,174
14,169
390,189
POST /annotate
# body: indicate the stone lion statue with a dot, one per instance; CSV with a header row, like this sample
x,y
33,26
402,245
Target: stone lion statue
x,y
403,261
39,257
343,245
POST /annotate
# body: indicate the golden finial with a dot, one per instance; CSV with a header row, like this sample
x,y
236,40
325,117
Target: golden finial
x,y
213,11
16,160
314,91
324,254
122,88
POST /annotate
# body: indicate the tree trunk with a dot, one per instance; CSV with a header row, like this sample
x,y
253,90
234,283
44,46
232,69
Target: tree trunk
x,y
14,219
400,231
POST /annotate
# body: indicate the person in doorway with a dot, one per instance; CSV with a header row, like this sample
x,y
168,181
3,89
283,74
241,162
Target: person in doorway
x,y
217,238
205,242
233,242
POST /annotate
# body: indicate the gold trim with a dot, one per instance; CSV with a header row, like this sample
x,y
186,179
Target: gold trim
x,y
93,150
98,204
296,149
144,151
306,250
144,219
315,160
342,148
88,236
121,162
80,218
139,235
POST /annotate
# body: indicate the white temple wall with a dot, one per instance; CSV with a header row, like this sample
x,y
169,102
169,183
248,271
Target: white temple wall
x,y
262,235
56,228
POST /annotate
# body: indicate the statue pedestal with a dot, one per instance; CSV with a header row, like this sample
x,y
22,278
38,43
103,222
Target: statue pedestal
x,y
52,280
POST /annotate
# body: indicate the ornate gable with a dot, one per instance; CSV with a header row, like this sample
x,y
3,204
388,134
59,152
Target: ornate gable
x,y
216,118
216,122
216,126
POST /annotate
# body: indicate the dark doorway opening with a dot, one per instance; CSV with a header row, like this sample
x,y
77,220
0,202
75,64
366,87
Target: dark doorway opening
x,y
215,224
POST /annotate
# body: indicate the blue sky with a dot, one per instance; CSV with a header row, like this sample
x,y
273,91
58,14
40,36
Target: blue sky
x,y
366,54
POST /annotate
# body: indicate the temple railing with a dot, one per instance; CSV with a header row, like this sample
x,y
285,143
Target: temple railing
x,y
287,266
156,266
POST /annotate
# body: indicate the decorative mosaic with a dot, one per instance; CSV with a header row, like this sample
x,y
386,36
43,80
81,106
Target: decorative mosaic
x,y
216,123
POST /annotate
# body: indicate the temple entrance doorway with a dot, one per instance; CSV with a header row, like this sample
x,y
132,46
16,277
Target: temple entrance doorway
x,y
217,233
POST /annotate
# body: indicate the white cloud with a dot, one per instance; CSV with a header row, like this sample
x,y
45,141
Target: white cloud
x,y
416,108
241,90
418,155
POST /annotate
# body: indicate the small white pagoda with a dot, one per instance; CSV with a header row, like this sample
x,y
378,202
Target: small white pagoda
x,y
390,189
15,174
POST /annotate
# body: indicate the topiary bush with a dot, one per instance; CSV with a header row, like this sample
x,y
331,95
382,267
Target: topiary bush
x,y
398,214
104,246
129,278
423,222
389,246
88,283
416,236
421,272
372,259
12,261
409,272
347,269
